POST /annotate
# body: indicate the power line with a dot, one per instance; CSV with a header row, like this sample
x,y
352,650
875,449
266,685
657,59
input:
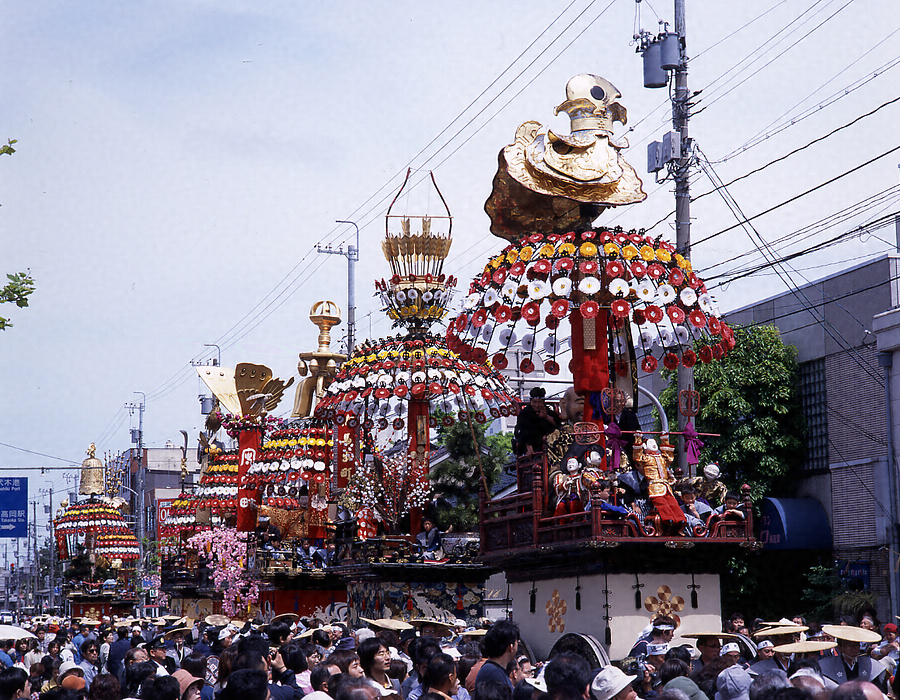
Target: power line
x,y
890,194
39,454
858,231
355,213
801,148
765,248
775,58
799,196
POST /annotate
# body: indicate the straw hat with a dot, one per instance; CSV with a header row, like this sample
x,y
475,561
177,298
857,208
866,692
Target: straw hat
x,y
388,623
216,620
781,629
178,630
288,617
851,634
805,647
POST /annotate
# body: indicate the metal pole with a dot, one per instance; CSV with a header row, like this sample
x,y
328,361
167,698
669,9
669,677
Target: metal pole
x,y
37,569
352,257
52,554
680,117
139,569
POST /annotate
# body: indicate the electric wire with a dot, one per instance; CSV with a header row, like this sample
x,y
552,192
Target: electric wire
x,y
777,128
776,57
798,196
40,454
804,147
739,273
372,210
888,195
795,290
478,113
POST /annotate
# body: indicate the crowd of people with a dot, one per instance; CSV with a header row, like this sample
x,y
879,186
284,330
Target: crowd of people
x,y
218,659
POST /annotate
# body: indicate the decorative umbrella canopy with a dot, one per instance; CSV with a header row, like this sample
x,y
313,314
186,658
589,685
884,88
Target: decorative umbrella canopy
x,y
219,484
124,546
381,376
292,458
86,523
653,306
182,517
92,516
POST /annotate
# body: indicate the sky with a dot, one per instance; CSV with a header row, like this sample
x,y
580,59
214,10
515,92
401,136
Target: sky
x,y
178,162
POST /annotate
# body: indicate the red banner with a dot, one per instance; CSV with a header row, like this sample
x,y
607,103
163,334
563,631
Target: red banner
x,y
163,506
247,498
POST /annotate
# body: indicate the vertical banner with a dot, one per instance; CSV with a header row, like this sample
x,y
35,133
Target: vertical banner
x,y
344,455
247,498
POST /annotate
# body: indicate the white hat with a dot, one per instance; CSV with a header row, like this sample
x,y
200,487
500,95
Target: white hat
x,y
609,682
728,648
136,628
765,644
70,666
711,471
224,633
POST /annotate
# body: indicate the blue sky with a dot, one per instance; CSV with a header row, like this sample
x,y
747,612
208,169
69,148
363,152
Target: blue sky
x,y
177,160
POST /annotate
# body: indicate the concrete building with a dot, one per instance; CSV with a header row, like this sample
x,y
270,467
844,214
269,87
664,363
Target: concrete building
x,y
846,328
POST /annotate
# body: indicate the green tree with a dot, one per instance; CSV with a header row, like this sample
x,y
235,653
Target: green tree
x,y
752,399
20,284
457,480
16,291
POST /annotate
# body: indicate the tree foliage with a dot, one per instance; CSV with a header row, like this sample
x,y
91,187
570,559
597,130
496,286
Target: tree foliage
x,y
752,399
457,480
20,284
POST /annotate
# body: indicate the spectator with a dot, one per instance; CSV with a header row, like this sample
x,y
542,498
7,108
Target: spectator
x,y
357,689
14,684
160,688
188,685
319,679
568,670
348,661
135,675
247,684
196,665
90,664
612,684
440,677
105,687
499,646
375,659
536,421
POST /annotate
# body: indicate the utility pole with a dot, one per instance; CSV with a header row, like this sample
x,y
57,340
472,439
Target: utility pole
x,y
36,569
352,255
663,53
139,569
680,117
52,595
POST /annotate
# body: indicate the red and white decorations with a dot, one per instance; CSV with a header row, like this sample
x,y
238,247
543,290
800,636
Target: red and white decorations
x,y
642,297
292,458
85,522
124,546
373,388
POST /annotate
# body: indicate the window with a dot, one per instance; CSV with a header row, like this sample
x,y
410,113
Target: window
x,y
812,395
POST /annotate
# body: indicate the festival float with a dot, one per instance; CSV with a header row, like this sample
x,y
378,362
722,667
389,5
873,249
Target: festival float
x,y
97,548
218,560
387,401
626,304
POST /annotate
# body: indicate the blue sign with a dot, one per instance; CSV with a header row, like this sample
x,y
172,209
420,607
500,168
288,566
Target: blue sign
x,y
14,506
